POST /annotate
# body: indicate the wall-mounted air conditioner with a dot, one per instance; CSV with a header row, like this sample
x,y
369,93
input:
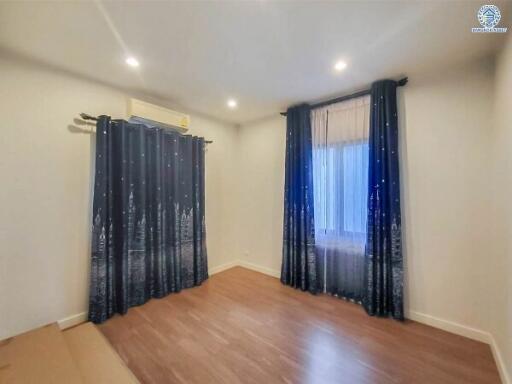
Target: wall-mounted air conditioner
x,y
155,115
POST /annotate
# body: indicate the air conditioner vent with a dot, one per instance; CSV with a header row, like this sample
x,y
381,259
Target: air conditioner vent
x,y
155,115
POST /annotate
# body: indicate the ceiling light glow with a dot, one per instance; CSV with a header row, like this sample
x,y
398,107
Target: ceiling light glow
x,y
132,62
340,66
232,103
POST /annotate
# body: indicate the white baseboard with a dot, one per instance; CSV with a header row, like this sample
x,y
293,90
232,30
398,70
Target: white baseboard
x,y
72,320
245,264
450,326
222,267
469,332
258,268
500,362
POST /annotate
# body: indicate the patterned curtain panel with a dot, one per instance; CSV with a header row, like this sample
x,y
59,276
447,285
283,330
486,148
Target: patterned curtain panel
x,y
384,264
299,267
148,233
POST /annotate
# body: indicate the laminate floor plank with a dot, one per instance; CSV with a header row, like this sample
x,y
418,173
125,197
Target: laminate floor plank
x,y
241,326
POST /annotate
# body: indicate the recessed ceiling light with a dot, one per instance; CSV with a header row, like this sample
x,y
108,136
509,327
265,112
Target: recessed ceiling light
x,y
232,103
132,62
340,66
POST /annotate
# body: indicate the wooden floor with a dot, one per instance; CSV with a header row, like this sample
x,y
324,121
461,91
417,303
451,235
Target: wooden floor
x,y
244,327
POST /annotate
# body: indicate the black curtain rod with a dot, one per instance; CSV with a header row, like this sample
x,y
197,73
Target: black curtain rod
x,y
85,116
365,92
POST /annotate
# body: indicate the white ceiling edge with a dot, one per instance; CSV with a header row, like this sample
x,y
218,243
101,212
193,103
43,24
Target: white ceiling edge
x,y
167,103
412,81
30,62
266,54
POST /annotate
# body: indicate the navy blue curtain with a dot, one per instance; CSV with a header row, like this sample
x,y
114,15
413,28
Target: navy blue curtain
x,y
383,255
148,233
299,266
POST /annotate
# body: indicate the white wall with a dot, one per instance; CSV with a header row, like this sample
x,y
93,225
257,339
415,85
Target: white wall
x,y
501,224
261,175
45,172
444,154
446,122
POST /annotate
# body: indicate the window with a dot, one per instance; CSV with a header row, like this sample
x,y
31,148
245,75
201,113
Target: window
x,y
340,172
340,204
340,182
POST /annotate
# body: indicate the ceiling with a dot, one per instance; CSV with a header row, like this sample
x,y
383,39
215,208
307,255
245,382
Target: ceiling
x,y
265,54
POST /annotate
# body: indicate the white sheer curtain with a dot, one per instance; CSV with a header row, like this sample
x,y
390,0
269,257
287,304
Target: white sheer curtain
x,y
340,171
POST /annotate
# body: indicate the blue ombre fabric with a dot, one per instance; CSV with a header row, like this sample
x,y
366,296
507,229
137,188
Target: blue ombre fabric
x,y
383,294
299,267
